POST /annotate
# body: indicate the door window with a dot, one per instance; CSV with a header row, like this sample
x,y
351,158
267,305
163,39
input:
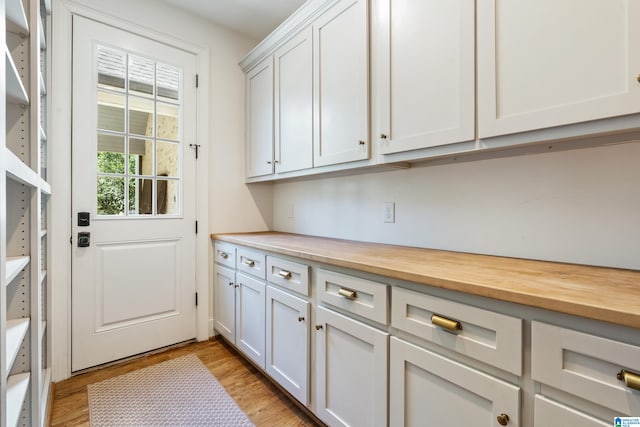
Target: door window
x,y
138,135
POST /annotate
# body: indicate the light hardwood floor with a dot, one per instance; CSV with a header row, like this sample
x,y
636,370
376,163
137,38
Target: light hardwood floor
x,y
265,404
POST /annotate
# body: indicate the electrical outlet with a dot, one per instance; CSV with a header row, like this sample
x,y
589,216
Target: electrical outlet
x,y
389,212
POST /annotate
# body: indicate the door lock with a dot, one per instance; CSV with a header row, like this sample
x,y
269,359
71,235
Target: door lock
x,y
83,219
84,239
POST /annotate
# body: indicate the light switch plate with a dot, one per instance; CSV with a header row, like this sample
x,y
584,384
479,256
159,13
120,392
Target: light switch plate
x,y
389,212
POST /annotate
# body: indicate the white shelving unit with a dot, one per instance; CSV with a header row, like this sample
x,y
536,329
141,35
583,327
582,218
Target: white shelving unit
x,y
24,196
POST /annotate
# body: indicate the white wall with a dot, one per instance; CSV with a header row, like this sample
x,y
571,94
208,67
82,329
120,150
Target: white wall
x,y
580,206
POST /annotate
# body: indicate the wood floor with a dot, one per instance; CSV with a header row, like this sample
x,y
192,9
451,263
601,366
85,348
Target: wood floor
x,y
262,401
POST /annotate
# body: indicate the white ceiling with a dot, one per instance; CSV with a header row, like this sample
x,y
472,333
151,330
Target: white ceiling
x,y
253,18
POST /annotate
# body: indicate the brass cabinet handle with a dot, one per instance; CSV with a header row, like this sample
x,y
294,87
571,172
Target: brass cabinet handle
x,y
448,324
347,293
383,136
503,419
361,142
631,380
249,262
318,327
285,274
224,255
301,319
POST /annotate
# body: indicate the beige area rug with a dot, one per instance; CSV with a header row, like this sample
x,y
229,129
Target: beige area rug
x,y
177,393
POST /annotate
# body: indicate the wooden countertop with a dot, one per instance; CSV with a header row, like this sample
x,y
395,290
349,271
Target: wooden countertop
x,y
607,294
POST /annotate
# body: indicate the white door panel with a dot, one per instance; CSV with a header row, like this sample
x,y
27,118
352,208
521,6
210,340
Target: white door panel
x,y
133,172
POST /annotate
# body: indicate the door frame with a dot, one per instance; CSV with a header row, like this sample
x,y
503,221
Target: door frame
x,y
59,129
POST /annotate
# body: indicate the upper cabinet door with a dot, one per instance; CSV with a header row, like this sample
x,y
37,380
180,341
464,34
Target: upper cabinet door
x,y
294,104
544,63
341,85
260,119
424,71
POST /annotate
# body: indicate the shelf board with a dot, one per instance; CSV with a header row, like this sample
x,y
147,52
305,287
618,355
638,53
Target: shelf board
x,y
45,385
43,328
16,93
43,275
43,87
43,233
19,171
43,42
16,331
43,135
17,386
47,6
14,266
16,17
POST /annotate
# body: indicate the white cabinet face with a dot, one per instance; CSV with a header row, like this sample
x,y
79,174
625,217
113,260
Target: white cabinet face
x,y
341,85
260,119
250,318
539,66
351,371
548,413
427,386
288,342
225,303
426,73
294,104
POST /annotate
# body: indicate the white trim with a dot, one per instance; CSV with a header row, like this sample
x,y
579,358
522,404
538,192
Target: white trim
x,y
61,215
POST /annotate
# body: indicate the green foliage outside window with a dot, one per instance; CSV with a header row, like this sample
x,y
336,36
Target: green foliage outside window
x,y
111,200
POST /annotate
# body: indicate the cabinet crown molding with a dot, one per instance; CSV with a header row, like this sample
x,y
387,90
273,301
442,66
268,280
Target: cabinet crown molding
x,y
302,17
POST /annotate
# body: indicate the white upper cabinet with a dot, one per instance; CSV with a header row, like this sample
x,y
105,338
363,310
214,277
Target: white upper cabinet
x,y
294,104
341,83
259,142
425,79
544,63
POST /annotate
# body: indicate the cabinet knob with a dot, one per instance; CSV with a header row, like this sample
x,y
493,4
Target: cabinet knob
x,y
503,419
237,286
383,136
301,319
268,162
361,142
230,283
638,78
318,327
224,255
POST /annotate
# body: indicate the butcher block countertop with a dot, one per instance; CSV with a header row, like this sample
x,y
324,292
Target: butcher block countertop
x,y
607,294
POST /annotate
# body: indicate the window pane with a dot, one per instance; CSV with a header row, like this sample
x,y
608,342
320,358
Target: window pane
x,y
111,111
168,124
142,150
167,159
141,116
110,154
141,75
140,196
168,81
168,197
110,195
111,67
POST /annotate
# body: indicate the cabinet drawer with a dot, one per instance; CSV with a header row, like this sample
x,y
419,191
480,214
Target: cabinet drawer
x,y
290,275
225,254
490,337
250,262
548,413
585,365
360,296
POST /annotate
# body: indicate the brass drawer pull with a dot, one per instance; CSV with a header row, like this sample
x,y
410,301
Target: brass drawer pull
x,y
224,255
301,319
448,324
318,327
249,262
630,379
347,293
285,274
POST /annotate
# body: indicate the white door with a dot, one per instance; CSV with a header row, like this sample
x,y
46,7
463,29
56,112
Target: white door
x,y
351,371
288,342
250,317
425,74
341,84
426,386
134,175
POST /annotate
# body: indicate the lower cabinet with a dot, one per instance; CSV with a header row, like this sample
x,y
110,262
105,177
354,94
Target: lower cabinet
x,y
548,413
429,389
351,371
240,312
288,346
250,317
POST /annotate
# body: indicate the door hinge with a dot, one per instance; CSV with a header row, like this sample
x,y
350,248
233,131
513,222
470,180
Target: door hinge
x,y
196,299
197,81
196,227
